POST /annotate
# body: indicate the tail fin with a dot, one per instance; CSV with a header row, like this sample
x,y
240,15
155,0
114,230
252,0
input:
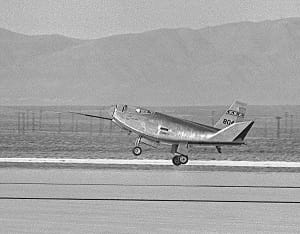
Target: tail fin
x,y
234,133
235,113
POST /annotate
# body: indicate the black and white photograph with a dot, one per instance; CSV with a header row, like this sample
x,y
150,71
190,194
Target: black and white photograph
x,y
149,116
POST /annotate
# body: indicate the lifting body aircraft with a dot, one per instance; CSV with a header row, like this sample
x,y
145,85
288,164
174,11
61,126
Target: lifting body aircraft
x,y
154,128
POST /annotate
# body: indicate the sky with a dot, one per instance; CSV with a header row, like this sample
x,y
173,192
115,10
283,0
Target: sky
x,y
89,19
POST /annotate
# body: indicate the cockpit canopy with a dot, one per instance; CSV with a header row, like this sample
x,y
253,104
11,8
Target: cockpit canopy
x,y
132,109
121,108
142,110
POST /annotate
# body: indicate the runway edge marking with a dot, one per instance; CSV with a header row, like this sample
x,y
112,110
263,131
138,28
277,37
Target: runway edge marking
x,y
216,163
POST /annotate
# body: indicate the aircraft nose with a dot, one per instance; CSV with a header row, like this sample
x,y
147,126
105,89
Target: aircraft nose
x,y
111,110
107,111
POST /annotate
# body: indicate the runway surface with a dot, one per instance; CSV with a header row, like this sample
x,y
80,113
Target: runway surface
x,y
217,163
146,201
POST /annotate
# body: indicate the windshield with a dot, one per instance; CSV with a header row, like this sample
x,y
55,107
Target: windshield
x,y
122,108
142,111
132,109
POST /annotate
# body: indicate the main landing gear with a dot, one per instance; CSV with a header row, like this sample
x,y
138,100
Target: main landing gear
x,y
180,159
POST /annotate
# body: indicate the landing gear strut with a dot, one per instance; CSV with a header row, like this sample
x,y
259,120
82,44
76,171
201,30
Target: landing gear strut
x,y
137,150
218,149
180,159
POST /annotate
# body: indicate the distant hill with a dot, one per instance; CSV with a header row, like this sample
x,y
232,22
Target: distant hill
x,y
255,62
17,48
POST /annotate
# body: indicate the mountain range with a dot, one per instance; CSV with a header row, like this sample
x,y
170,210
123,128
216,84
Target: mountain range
x,y
255,62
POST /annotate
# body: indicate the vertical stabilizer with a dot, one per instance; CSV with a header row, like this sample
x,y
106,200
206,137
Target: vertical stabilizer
x,y
234,114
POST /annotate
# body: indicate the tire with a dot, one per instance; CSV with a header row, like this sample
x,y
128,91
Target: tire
x,y
183,159
176,160
137,150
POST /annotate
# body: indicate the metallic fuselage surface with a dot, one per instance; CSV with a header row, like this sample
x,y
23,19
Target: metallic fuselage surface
x,y
161,127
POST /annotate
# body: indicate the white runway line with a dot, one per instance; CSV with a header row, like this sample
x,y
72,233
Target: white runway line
x,y
220,163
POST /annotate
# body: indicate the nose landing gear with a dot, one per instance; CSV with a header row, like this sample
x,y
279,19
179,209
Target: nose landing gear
x,y
137,150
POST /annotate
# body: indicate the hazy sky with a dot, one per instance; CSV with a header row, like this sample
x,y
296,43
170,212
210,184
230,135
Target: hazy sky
x,y
99,18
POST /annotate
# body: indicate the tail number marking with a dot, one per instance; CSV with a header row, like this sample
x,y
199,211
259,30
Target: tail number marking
x,y
228,121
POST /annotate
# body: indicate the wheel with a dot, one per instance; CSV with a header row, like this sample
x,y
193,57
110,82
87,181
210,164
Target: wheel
x,y
183,159
176,160
137,150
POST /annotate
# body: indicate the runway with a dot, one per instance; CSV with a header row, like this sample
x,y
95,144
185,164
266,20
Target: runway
x,y
216,163
146,201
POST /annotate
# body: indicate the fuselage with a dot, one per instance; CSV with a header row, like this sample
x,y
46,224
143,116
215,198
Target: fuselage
x,y
161,127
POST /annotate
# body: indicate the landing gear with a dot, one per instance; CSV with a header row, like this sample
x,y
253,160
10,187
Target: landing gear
x,y
176,160
137,150
183,159
180,159
180,152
